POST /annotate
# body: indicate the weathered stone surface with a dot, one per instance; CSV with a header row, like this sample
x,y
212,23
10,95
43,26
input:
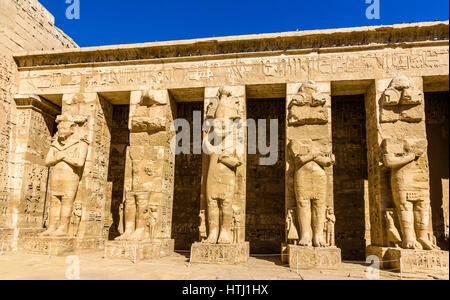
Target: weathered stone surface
x,y
136,251
411,261
220,253
301,258
123,187
59,246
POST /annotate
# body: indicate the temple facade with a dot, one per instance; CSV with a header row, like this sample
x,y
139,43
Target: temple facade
x,y
89,161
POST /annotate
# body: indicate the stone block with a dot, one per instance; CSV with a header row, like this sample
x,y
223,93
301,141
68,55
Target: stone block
x,y
58,246
220,254
136,251
303,258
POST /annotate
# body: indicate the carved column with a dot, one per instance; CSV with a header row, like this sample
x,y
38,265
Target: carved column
x,y
223,199
149,174
401,224
309,177
31,139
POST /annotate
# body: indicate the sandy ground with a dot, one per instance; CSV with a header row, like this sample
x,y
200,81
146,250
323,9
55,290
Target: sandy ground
x,y
21,266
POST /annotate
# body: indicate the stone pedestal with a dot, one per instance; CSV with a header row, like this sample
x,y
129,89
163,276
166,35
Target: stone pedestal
x,y
12,239
303,258
139,250
59,246
411,261
220,254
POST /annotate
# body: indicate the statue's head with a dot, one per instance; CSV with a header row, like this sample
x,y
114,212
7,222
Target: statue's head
x,y
68,124
77,205
330,210
389,214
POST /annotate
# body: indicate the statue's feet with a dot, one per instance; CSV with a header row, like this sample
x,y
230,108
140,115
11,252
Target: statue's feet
x,y
319,242
124,237
224,238
59,232
48,232
138,235
212,239
427,244
305,242
411,244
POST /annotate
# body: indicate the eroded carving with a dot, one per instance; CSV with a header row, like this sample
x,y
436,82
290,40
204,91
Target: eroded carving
x,y
67,156
401,101
410,190
221,179
308,106
310,185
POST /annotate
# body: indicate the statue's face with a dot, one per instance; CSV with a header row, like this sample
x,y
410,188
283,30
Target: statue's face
x,y
65,130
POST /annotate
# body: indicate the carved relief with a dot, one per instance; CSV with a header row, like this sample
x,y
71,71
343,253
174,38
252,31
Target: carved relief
x,y
142,197
291,226
221,178
401,101
329,227
67,156
311,185
410,190
394,238
308,106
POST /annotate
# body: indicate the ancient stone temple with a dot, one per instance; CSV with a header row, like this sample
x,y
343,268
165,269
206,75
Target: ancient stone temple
x,y
90,156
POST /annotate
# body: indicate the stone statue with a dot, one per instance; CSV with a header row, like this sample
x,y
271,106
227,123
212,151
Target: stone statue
x,y
146,119
401,92
202,227
67,156
310,185
236,224
329,227
76,217
307,107
151,217
394,238
410,189
291,228
401,102
221,179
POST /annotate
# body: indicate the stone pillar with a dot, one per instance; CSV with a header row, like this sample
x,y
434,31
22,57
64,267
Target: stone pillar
x,y
149,174
309,178
216,248
400,212
32,137
87,222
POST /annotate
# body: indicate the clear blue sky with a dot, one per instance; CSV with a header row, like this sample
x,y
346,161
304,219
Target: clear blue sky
x,y
109,22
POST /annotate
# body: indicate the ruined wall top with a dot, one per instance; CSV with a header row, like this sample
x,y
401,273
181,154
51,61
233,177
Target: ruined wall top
x,y
323,41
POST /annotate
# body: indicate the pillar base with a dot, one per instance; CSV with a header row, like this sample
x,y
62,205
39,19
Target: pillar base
x,y
411,261
304,258
220,253
136,251
59,246
12,239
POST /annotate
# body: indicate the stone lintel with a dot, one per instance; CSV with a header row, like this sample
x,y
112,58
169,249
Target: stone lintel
x,y
220,254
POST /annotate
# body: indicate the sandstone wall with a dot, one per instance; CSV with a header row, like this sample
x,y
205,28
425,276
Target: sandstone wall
x,y
24,25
